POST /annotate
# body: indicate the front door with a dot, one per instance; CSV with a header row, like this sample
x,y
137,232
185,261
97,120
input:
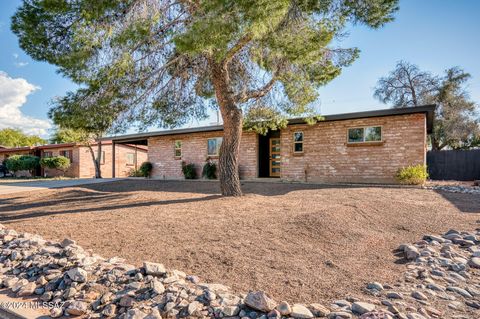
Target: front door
x,y
274,157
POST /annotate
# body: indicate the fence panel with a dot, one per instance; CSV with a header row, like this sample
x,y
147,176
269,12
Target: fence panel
x,y
454,165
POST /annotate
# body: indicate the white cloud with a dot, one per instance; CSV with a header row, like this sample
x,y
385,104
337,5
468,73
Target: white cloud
x,y
18,64
13,94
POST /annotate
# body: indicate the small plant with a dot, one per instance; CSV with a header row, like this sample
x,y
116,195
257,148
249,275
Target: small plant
x,y
189,170
146,169
412,175
17,163
209,169
60,163
135,173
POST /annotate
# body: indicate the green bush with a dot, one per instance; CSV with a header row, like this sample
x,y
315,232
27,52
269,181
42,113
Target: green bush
x,y
146,169
189,170
17,163
135,173
209,170
412,175
61,163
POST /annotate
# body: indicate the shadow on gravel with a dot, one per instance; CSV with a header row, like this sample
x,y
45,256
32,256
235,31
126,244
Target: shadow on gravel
x,y
466,203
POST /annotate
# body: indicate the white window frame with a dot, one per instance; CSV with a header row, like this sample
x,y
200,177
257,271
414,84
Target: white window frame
x,y
217,139
364,128
298,142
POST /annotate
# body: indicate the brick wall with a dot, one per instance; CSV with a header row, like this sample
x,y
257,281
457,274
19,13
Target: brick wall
x,y
72,170
122,169
194,150
326,156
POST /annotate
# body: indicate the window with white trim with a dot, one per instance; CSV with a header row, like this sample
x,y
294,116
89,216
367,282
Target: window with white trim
x,y
365,134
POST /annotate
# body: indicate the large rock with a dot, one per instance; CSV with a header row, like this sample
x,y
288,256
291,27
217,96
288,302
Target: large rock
x,y
474,262
77,274
27,289
319,310
362,307
284,308
135,314
300,311
154,269
77,308
411,252
259,300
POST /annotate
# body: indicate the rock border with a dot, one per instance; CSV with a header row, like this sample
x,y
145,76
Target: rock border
x,y
441,280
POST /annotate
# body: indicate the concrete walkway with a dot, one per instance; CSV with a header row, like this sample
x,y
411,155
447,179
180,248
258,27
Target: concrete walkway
x,y
17,187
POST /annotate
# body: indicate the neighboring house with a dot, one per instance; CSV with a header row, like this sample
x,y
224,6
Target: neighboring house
x,y
127,158
356,147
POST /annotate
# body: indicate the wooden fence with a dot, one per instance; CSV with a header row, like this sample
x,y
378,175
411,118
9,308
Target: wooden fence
x,y
454,165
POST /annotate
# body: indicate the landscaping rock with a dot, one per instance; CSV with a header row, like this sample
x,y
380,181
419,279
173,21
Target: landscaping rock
x,y
300,311
362,307
77,274
284,308
77,308
154,269
259,300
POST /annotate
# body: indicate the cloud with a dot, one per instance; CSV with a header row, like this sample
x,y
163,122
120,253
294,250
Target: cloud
x,y
18,64
13,94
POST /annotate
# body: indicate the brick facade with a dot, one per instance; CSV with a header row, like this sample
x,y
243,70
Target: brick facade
x,y
327,157
194,150
81,160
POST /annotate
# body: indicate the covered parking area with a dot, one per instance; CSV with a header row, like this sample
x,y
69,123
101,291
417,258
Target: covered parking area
x,y
130,140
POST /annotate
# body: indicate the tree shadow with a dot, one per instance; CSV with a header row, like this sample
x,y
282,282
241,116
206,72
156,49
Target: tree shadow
x,y
466,203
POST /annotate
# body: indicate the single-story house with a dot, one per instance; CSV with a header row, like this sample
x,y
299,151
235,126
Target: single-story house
x,y
127,158
356,147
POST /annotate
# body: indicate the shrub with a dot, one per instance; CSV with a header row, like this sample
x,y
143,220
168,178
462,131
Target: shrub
x,y
209,170
135,173
412,175
145,169
17,163
189,170
61,163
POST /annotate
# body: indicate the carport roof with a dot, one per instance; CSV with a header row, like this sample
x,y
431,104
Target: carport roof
x,y
141,138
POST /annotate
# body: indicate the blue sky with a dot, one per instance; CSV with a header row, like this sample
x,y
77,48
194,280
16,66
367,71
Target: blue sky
x,y
434,34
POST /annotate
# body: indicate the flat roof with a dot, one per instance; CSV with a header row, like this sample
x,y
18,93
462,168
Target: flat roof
x,y
426,109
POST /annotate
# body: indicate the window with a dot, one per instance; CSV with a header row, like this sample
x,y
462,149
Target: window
x,y
298,142
213,146
178,149
365,134
47,154
67,154
130,158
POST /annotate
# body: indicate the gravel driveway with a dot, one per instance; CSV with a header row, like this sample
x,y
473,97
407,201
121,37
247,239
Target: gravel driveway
x,y
297,242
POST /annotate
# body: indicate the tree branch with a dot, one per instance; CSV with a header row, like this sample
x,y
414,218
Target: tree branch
x,y
237,47
256,94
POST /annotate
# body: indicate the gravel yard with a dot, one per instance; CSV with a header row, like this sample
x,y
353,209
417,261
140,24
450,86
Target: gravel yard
x,y
297,242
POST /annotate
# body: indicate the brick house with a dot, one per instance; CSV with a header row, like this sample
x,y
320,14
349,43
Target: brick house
x,y
356,147
127,157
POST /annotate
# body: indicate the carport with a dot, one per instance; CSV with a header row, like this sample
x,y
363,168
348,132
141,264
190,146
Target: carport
x,y
132,139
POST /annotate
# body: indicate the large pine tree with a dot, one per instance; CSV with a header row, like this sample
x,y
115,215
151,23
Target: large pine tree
x,y
163,62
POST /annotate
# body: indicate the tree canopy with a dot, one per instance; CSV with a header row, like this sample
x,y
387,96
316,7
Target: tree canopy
x,y
456,123
10,137
163,63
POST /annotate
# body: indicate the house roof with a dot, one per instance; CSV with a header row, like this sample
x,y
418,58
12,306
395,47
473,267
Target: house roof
x,y
426,109
62,145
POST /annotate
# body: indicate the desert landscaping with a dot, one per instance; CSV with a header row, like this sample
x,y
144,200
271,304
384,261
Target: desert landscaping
x,y
299,243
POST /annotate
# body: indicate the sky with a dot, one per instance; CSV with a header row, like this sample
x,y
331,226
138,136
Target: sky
x,y
433,34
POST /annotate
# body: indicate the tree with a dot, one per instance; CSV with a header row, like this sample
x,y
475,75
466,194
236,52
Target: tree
x,y
456,123
406,86
163,62
82,121
10,137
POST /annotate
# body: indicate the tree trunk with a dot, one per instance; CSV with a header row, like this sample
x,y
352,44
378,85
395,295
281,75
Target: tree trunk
x,y
232,133
96,161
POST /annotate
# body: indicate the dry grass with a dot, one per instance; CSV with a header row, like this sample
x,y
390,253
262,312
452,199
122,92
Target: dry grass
x,y
297,242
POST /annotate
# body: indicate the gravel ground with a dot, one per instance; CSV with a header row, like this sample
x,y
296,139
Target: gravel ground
x,y
297,242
